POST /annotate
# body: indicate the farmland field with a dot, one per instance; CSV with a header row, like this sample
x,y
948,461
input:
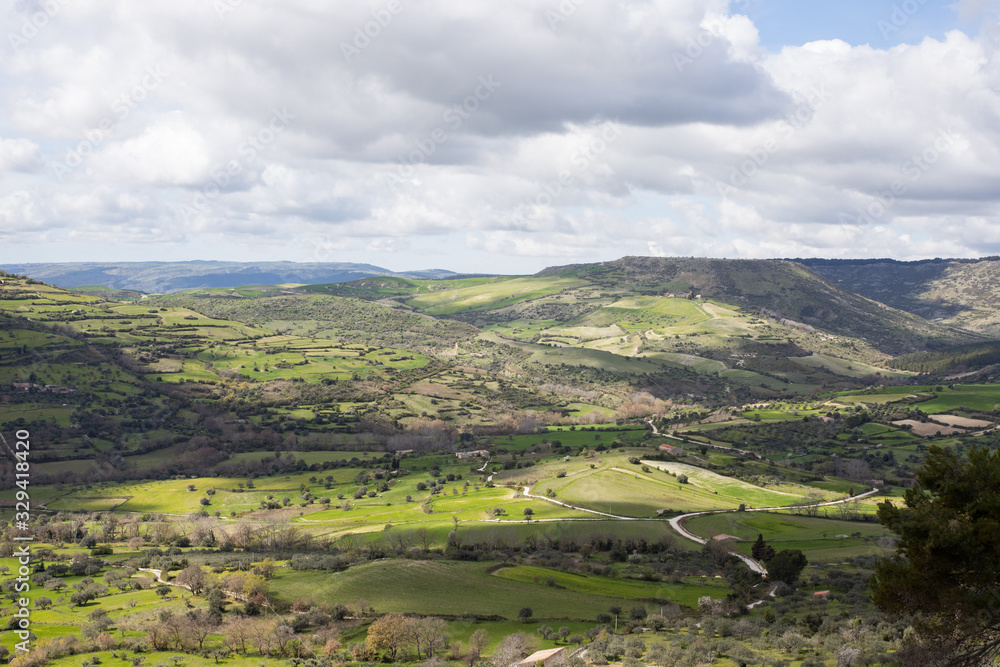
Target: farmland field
x,y
820,539
686,594
463,589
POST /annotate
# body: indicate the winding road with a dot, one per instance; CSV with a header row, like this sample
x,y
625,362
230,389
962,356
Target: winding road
x,y
677,522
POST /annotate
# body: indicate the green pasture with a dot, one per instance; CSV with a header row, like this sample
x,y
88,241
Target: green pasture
x,y
163,496
453,588
846,367
16,338
592,584
983,397
493,294
821,539
578,356
374,514
584,409
40,412
190,371
734,490
284,358
64,619
699,364
635,494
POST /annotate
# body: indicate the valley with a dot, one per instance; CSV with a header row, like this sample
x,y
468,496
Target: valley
x,y
491,456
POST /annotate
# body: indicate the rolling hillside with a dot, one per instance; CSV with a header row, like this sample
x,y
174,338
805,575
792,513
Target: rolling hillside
x,y
784,290
959,292
571,345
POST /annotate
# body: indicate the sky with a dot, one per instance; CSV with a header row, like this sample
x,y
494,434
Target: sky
x,y
498,136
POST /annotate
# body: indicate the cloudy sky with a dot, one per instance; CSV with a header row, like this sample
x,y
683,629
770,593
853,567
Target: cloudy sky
x,y
498,135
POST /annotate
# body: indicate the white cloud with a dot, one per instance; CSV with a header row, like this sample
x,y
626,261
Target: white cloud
x,y
478,125
18,154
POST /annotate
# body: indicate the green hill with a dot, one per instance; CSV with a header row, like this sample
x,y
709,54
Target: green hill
x,y
784,290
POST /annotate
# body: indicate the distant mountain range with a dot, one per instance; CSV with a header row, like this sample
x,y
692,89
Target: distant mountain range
x,y
166,277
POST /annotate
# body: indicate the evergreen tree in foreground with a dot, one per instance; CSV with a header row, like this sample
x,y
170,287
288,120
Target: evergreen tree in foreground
x,y
947,568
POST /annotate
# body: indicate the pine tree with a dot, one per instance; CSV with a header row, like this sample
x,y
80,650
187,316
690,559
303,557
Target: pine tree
x,y
947,567
761,550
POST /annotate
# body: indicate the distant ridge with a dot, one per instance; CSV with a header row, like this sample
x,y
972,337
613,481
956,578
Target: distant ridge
x,y
166,277
784,289
961,292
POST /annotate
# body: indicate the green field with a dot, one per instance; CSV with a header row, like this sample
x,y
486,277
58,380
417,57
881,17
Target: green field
x,y
822,540
686,593
494,294
462,589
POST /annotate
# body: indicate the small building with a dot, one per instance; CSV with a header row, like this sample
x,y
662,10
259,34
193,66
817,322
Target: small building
x,y
671,449
546,658
722,537
821,595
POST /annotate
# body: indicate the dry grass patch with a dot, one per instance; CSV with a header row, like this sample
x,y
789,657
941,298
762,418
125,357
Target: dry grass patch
x,y
965,422
927,429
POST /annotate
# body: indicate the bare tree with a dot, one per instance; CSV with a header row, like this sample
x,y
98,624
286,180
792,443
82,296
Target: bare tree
x,y
199,624
510,650
262,636
237,633
429,634
425,537
477,642
400,541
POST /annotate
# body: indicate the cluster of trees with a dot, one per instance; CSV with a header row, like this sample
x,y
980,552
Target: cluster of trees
x,y
785,565
393,633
